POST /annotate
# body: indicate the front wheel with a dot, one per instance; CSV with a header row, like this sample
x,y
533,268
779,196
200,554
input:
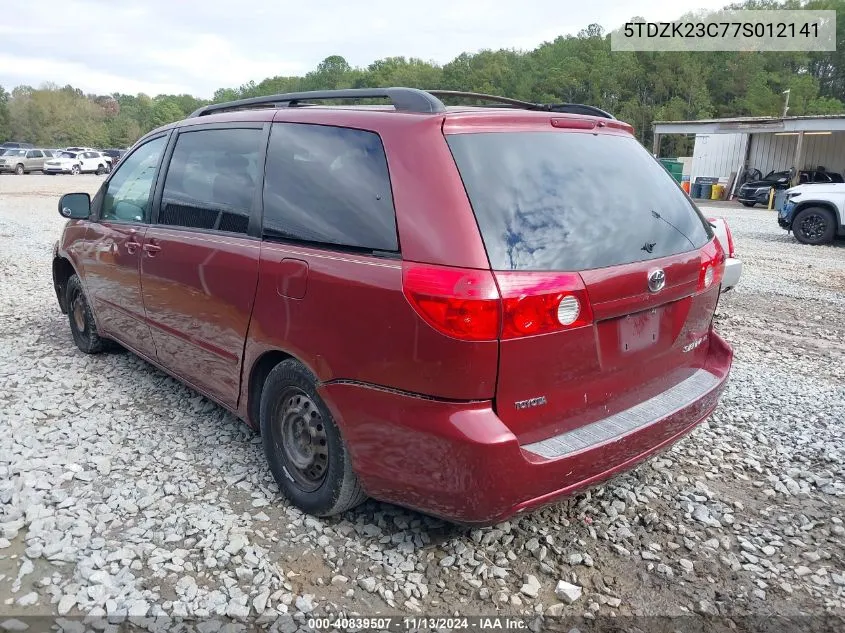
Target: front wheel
x,y
82,324
304,449
75,170
19,170
814,226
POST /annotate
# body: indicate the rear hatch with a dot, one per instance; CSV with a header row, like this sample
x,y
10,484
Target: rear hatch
x,y
608,273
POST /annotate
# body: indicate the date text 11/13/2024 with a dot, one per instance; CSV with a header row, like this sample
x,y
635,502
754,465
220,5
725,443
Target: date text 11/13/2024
x,y
415,623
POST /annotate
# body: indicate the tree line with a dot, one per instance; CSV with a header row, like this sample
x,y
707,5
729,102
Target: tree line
x,y
638,87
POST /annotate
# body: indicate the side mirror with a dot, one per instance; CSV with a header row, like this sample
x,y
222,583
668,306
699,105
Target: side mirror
x,y
76,206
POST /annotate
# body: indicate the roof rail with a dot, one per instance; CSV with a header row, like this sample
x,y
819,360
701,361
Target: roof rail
x,y
403,99
568,108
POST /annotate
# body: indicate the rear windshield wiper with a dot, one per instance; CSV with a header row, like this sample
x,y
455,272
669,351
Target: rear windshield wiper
x,y
660,217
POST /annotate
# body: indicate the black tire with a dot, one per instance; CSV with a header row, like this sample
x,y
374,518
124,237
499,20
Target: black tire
x,y
82,325
304,449
100,170
19,170
814,225
748,204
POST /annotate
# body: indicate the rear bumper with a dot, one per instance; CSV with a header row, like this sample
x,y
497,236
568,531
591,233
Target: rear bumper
x,y
460,462
733,271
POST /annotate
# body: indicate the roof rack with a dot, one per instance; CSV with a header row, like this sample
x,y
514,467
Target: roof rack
x,y
404,99
567,108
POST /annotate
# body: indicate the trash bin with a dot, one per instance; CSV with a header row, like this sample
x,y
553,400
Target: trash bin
x,y
674,167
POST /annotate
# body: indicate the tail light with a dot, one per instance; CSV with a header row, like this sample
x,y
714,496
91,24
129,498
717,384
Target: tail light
x,y
730,243
468,305
537,303
712,265
461,303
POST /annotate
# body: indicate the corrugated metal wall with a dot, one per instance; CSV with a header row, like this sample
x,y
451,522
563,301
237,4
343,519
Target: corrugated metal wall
x,y
717,155
775,153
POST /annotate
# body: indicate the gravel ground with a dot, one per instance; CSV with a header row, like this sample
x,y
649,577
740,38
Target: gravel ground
x,y
124,492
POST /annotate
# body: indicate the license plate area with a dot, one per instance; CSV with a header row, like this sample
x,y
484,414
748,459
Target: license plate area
x,y
639,331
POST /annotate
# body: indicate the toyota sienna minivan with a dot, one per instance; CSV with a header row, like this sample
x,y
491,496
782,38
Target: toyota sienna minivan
x,y
470,311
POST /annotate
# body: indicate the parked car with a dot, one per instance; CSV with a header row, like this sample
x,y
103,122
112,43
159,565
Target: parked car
x,y
757,191
733,265
22,161
77,163
114,155
814,213
15,145
432,306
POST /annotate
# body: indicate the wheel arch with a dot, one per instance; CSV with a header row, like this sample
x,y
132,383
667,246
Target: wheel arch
x,y
63,270
822,204
258,373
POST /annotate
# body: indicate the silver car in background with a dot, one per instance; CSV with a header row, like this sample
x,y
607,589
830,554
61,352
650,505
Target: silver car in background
x,y
22,161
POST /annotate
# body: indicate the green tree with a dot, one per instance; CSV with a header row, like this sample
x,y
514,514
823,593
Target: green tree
x,y
5,131
165,111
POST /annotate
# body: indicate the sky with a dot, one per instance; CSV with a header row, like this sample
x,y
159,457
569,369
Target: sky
x,y
180,46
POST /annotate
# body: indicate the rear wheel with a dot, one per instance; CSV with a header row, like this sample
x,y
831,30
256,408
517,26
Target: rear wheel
x,y
19,170
748,204
306,453
82,324
814,225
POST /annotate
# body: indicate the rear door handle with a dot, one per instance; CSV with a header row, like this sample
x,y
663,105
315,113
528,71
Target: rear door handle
x,y
131,244
151,249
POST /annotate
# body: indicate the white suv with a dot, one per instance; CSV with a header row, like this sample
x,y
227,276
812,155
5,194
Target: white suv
x,y
77,163
814,213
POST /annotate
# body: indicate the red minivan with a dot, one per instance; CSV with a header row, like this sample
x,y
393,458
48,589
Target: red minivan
x,y
470,311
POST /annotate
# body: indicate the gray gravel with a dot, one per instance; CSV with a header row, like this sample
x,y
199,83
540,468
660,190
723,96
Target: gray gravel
x,y
124,493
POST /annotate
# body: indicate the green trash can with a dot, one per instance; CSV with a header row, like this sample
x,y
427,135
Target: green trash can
x,y
674,167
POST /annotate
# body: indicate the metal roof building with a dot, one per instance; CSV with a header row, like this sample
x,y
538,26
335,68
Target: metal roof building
x,y
727,146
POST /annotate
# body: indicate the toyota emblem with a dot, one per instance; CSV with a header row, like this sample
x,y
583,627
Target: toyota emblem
x,y
656,280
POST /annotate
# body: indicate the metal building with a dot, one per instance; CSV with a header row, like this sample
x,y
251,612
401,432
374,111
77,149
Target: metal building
x,y
727,146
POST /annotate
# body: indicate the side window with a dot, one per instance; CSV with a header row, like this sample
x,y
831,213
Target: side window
x,y
34,153
127,196
328,185
211,180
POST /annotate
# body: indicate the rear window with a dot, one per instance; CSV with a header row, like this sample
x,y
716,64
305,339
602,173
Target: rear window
x,y
568,201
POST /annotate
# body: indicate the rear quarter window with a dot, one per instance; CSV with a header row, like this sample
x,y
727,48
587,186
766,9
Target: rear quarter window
x,y
330,186
569,201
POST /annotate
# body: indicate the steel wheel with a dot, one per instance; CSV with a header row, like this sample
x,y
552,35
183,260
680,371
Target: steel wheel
x,y
300,435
